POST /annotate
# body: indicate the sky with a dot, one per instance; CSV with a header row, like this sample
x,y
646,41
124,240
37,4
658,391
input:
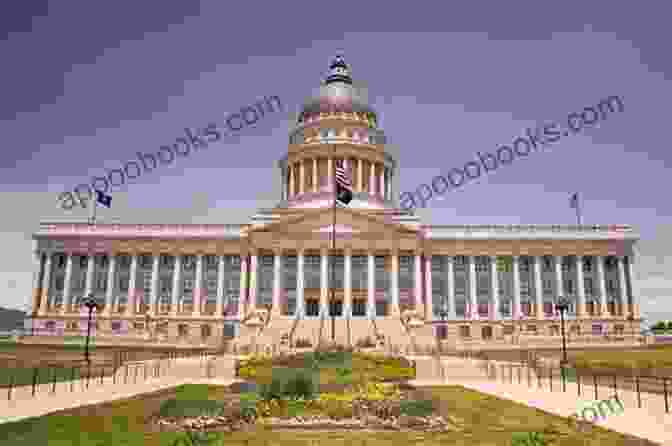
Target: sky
x,y
84,85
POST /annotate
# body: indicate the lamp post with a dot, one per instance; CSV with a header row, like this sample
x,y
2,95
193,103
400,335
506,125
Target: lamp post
x,y
90,303
562,306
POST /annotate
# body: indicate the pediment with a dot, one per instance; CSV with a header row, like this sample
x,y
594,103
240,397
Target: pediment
x,y
348,221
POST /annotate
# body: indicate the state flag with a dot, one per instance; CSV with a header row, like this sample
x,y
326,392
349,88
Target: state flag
x,y
104,199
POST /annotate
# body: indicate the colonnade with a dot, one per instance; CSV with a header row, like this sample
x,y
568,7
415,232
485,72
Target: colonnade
x,y
421,289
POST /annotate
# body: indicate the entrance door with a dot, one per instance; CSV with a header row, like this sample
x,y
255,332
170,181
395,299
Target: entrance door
x,y
336,308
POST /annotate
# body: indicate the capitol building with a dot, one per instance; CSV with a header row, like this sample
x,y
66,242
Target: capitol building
x,y
393,277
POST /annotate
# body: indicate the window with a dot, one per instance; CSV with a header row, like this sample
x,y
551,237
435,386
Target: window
x,y
116,326
167,261
619,329
481,264
183,330
102,261
441,331
50,325
229,331
524,264
312,307
554,330
464,331
59,283
125,261
597,329
531,328
206,331
509,329
60,261
145,261
460,260
588,286
83,261
189,262
611,286
548,285
165,285
212,286
548,265
211,261
359,307
188,285
570,286
587,264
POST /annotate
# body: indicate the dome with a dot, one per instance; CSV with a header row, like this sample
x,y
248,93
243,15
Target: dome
x,y
337,94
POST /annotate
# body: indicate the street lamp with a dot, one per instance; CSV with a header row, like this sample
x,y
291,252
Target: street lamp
x,y
562,306
90,303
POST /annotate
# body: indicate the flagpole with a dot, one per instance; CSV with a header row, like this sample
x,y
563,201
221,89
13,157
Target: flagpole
x,y
333,250
92,220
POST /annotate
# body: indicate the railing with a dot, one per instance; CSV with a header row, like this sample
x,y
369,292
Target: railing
x,y
638,386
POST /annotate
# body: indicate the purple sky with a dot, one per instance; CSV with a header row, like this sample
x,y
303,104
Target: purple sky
x,y
86,86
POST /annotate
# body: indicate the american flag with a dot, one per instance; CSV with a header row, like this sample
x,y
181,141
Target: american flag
x,y
342,177
343,184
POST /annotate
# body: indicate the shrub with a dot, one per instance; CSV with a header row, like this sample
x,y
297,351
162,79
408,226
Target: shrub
x,y
416,408
300,385
178,408
271,391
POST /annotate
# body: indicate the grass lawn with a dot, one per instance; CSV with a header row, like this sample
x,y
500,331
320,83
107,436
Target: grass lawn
x,y
657,357
485,420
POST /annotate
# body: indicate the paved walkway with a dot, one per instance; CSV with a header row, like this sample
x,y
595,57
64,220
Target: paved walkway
x,y
174,373
649,422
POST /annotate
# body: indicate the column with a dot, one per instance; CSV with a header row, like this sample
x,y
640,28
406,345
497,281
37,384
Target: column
x,y
559,291
450,282
88,288
633,293
253,280
316,187
429,304
154,287
291,181
198,287
300,285
622,287
418,282
46,281
472,286
517,310
381,190
330,173
277,284
37,271
494,279
302,177
347,278
324,280
601,283
283,173
130,303
177,292
219,308
538,291
371,295
394,283
109,289
67,284
580,288
372,179
243,284
360,175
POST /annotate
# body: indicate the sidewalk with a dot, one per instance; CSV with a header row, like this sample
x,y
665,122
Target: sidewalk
x,y
174,373
649,422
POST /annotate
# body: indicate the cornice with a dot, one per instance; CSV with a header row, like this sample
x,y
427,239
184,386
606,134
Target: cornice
x,y
132,231
531,232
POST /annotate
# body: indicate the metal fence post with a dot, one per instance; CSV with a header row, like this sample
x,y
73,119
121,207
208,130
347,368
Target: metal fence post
x,y
34,379
102,372
88,375
562,377
550,377
667,404
578,381
595,385
639,397
53,384
615,389
11,383
114,375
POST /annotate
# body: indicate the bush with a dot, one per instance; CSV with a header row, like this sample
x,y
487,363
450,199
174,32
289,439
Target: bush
x,y
179,408
416,408
301,385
